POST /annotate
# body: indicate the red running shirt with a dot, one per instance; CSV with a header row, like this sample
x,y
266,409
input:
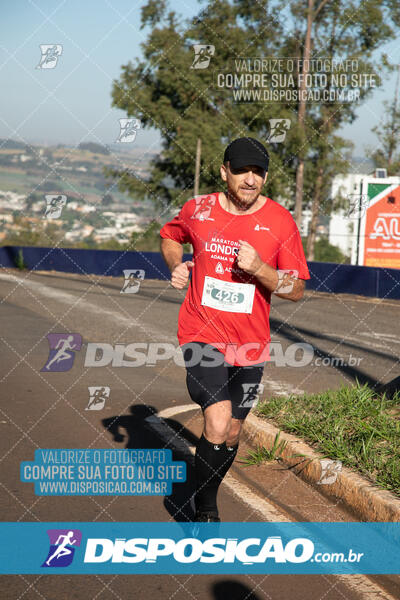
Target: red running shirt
x,y
214,233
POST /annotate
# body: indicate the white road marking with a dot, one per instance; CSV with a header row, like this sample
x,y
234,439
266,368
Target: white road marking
x,y
377,333
391,338
266,510
280,388
357,583
362,342
174,410
354,298
84,306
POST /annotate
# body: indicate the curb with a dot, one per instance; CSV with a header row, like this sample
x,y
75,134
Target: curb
x,y
367,500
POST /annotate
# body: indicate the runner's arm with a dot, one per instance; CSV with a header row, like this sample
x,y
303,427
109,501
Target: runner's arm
x,y
249,260
172,252
269,277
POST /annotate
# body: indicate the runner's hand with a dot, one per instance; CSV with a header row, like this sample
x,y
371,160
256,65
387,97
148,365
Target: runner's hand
x,y
248,258
180,274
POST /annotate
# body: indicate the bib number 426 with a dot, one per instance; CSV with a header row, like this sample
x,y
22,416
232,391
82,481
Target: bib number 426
x,y
227,296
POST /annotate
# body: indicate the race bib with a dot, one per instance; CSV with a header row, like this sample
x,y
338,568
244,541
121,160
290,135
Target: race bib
x,y
228,295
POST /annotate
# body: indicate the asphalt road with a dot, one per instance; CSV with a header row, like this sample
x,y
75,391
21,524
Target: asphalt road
x,y
144,409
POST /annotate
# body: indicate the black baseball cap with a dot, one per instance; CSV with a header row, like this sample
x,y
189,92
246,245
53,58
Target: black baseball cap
x,y
246,151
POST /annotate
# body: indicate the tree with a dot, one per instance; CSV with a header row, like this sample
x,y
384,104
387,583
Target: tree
x,y
43,234
325,252
164,92
146,241
330,30
388,133
313,9
185,104
329,159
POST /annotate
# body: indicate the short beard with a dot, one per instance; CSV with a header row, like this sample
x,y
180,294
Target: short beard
x,y
238,202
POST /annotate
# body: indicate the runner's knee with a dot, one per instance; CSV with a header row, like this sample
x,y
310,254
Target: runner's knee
x,y
215,428
217,421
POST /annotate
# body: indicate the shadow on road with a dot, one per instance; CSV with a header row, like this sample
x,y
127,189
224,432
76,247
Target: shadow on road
x,y
136,433
233,590
286,330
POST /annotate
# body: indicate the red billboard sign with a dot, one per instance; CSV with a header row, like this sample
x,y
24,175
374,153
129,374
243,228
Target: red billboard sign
x,y
379,241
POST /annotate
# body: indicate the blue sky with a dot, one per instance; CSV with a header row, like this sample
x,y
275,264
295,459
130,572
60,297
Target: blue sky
x,y
72,102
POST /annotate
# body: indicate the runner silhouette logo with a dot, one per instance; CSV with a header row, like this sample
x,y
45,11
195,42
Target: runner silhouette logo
x,y
62,351
63,543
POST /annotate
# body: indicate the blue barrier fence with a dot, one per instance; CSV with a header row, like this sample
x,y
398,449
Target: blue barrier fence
x,y
325,277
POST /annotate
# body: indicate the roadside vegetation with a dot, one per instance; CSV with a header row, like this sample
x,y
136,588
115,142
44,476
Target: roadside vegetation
x,y
353,424
262,454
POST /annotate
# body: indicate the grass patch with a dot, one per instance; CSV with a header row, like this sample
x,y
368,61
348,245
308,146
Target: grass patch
x,y
262,454
353,425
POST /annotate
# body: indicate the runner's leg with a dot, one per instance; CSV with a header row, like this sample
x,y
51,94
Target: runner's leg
x,y
242,384
211,457
207,386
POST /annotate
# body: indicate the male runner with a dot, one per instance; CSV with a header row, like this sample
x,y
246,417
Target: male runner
x,y
245,246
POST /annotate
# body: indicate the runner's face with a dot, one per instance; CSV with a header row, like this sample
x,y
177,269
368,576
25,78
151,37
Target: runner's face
x,y
244,184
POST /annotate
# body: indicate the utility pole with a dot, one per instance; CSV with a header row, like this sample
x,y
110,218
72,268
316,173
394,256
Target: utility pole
x,y
197,168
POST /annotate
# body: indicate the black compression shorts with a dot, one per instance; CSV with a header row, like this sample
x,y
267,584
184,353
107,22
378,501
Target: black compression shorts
x,y
210,379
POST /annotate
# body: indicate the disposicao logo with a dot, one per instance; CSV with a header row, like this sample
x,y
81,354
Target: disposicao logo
x,y
190,550
62,351
62,547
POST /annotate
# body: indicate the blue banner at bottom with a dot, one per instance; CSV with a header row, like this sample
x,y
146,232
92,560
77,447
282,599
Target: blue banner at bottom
x,y
199,548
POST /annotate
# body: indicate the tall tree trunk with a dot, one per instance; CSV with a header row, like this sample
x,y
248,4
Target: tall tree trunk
x,y
312,234
301,117
325,131
197,167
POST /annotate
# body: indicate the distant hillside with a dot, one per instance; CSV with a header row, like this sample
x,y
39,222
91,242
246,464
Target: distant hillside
x,y
361,164
93,147
11,144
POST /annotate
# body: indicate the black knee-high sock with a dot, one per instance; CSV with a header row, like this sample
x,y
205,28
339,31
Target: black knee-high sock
x,y
212,461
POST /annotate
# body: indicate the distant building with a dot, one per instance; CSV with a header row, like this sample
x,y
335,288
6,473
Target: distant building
x,y
86,208
104,234
305,222
341,232
78,233
6,218
368,227
12,200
